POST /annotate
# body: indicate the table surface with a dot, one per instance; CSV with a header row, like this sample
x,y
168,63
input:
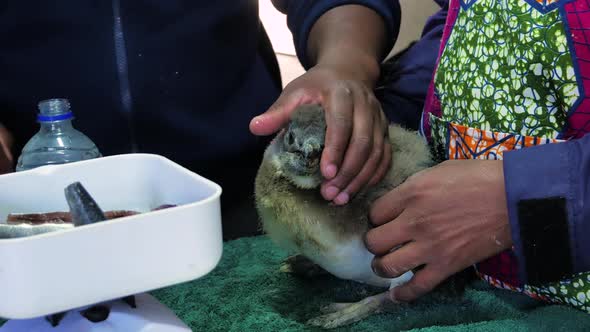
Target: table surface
x,y
246,292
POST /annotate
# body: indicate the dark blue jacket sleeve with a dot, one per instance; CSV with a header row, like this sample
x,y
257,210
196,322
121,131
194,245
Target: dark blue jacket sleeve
x,y
405,78
548,197
302,14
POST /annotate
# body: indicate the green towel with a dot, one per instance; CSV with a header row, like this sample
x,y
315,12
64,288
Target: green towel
x,y
246,292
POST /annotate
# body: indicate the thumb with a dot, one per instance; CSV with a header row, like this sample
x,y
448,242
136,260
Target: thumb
x,y
278,114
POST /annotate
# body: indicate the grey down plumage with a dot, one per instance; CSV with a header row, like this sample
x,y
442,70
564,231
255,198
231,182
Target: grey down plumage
x,y
297,218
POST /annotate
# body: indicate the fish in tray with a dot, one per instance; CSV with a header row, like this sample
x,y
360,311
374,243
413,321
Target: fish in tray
x,y
83,208
22,230
83,211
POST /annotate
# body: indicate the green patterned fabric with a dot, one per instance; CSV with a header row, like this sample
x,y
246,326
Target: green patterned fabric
x,y
574,291
507,67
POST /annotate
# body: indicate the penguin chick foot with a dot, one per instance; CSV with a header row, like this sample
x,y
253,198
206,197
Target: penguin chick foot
x,y
341,314
302,266
335,307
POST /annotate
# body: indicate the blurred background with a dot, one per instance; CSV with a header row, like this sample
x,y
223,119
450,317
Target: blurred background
x,y
414,15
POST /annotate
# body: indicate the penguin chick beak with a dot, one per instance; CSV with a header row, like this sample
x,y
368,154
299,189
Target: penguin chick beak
x,y
312,151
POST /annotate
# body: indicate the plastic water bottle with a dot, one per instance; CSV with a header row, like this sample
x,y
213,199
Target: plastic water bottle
x,y
57,142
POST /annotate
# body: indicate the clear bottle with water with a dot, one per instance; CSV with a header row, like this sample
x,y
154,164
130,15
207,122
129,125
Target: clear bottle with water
x,y
57,142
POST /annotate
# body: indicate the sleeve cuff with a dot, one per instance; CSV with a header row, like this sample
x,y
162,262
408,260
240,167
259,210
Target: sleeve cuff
x,y
302,14
538,194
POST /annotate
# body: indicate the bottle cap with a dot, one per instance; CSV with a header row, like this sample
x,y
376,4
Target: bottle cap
x,y
54,110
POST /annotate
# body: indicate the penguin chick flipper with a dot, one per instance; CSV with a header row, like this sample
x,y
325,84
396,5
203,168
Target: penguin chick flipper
x,y
302,266
341,314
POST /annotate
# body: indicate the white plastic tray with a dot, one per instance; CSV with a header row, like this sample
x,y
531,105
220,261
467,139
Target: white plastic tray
x,y
63,270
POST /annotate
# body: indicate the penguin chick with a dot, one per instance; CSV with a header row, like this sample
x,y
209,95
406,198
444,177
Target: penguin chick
x,y
297,218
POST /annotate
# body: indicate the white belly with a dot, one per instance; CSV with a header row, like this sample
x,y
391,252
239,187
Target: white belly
x,y
346,259
352,261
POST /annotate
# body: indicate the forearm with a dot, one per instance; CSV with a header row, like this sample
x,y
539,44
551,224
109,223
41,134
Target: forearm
x,y
549,207
350,36
342,28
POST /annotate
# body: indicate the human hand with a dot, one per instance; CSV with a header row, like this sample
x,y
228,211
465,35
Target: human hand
x,y
357,152
445,218
6,158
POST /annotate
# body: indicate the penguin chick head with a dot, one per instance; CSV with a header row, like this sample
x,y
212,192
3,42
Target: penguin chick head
x,y
297,149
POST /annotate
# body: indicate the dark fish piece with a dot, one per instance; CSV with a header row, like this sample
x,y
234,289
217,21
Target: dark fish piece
x,y
164,206
114,214
83,208
65,217
58,217
39,218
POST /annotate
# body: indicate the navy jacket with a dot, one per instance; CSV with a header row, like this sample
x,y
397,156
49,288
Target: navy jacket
x,y
178,78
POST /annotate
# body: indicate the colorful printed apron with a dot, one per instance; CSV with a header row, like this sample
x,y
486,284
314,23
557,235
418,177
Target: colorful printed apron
x,y
512,74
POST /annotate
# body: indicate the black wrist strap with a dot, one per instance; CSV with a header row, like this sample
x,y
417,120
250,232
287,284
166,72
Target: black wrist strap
x,y
544,232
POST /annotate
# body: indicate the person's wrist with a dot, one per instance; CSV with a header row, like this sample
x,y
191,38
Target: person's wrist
x,y
353,63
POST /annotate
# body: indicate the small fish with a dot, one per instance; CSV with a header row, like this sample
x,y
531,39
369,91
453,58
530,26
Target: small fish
x,y
23,230
83,211
83,208
65,217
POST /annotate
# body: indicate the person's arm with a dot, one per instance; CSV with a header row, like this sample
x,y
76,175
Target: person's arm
x,y
461,212
548,198
341,43
322,27
6,159
406,77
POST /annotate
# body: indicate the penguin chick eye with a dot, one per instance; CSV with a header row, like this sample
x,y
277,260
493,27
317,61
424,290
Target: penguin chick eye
x,y
290,138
